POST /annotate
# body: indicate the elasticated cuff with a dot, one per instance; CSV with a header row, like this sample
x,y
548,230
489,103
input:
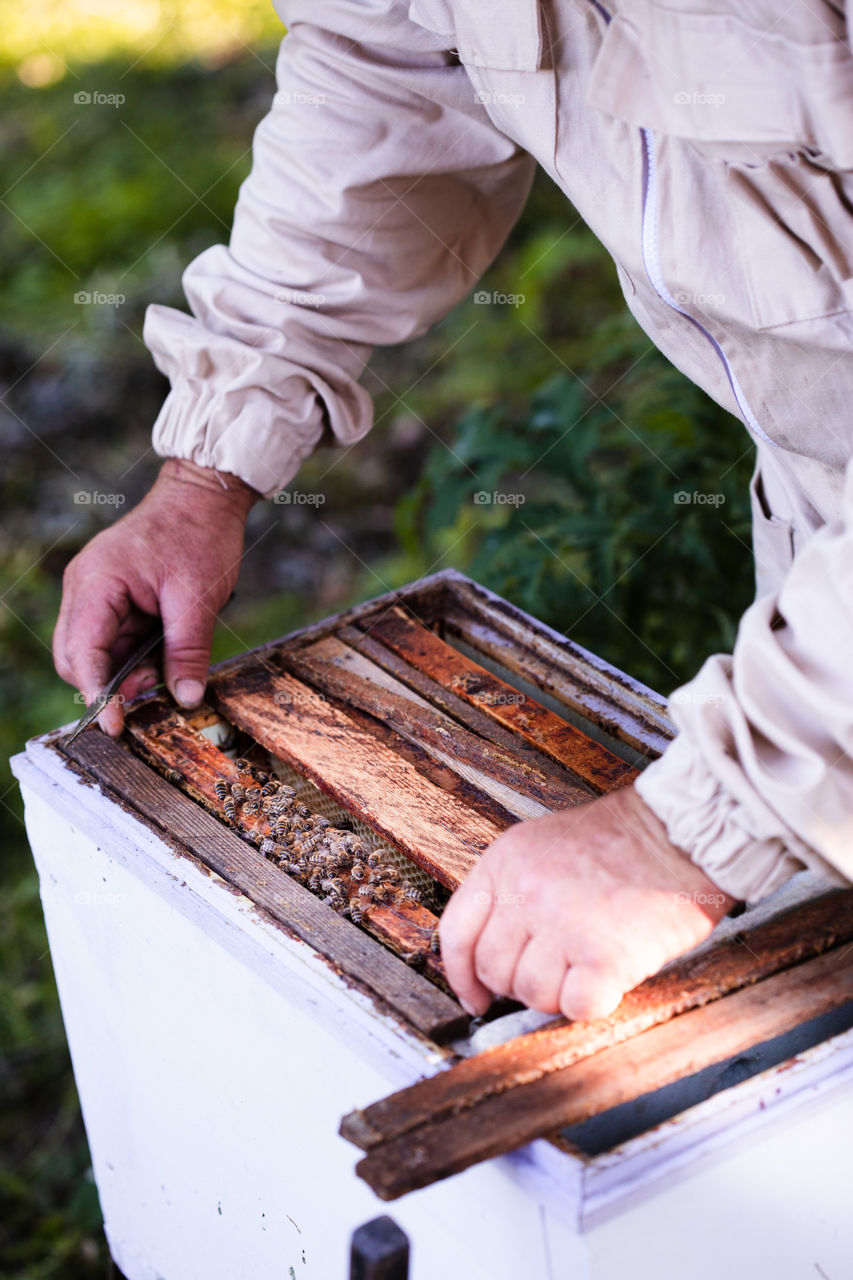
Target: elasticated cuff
x,y
711,827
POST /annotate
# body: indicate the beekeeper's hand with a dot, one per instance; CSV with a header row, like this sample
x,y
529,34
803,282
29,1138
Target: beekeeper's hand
x,y
175,556
569,912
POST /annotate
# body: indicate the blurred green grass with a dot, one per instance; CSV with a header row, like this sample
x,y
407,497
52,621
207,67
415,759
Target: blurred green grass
x,y
107,199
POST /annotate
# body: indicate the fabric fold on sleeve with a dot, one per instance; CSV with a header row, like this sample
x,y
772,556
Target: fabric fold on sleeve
x,y
379,193
758,783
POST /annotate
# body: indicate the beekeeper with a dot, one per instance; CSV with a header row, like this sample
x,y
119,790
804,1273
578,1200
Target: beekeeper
x,y
709,145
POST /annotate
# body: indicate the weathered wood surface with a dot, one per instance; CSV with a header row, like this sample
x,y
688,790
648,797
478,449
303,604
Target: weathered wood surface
x,y
612,699
594,764
660,1056
436,828
694,981
343,672
464,713
194,832
170,743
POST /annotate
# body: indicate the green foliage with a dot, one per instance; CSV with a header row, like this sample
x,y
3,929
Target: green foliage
x,y
573,507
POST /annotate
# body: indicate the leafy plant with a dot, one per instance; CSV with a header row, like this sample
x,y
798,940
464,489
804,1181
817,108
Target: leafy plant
x,y
623,523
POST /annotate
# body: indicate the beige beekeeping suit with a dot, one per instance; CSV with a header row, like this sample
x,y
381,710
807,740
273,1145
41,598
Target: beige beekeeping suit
x,y
709,145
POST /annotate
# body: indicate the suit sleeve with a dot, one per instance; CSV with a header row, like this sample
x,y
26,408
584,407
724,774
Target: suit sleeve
x,y
379,194
758,783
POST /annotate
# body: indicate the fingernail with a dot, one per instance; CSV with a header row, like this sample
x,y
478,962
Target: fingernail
x,y
469,1009
189,693
148,682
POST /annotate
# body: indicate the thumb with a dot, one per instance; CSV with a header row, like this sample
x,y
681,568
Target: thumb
x,y
188,622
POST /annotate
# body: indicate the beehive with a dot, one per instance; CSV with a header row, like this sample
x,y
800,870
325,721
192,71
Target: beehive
x,y
425,721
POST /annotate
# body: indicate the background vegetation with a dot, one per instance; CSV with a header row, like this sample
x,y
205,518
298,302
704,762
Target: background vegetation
x,y
560,399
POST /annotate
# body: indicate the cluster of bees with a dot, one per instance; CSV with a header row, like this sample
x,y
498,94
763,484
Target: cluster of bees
x,y
330,860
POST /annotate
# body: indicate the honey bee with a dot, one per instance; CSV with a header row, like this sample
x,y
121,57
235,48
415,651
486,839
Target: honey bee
x,y
341,858
253,791
260,776
374,858
238,792
280,828
410,892
434,943
317,859
356,910
269,789
220,786
174,776
390,875
230,808
242,766
357,871
321,823
376,876
268,847
367,892
315,881
251,807
285,790
292,868
303,810
381,892
332,884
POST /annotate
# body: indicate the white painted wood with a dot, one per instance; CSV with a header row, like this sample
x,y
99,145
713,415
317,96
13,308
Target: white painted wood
x,y
214,1056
